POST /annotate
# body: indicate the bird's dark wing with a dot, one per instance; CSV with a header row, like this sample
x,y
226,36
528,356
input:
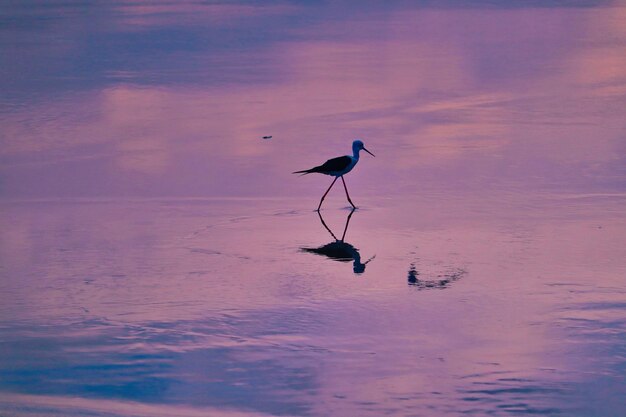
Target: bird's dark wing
x,y
332,165
335,164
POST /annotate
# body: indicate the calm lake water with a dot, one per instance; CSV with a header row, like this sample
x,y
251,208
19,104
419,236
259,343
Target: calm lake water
x,y
158,258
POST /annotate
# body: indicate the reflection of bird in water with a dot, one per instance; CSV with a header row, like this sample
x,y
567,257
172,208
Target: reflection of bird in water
x,y
338,167
340,250
442,281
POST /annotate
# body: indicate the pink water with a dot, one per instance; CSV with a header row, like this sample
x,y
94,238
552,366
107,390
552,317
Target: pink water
x,y
158,258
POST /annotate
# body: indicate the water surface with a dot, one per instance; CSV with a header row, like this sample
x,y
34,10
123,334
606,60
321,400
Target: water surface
x,y
158,258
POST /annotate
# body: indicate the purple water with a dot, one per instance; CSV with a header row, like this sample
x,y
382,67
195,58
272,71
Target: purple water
x,y
157,256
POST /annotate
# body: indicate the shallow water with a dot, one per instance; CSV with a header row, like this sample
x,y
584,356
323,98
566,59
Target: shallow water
x,y
212,306
158,258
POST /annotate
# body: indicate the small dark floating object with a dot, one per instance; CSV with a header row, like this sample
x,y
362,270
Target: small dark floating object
x,y
267,137
441,282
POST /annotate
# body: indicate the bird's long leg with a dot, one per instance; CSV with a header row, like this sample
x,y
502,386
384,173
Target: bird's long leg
x,y
324,196
346,188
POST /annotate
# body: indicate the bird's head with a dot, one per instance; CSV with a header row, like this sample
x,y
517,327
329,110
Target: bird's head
x,y
357,145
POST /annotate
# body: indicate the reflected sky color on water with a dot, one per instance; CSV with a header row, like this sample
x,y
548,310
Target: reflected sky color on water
x,y
211,306
157,256
153,99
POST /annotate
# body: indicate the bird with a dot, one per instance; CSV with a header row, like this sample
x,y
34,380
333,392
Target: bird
x,y
338,167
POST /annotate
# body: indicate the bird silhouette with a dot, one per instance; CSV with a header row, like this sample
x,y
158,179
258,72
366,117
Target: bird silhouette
x,y
338,167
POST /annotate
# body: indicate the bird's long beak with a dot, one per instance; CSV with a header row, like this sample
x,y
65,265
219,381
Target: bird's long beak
x,y
368,151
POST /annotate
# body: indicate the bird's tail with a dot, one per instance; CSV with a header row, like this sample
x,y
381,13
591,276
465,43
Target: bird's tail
x,y
303,172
